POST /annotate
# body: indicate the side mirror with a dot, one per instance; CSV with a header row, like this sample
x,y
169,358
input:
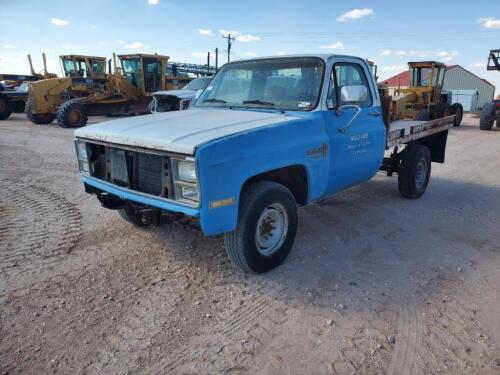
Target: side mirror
x,y
354,94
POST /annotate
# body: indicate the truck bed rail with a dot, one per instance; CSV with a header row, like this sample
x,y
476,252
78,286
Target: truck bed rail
x,y
404,131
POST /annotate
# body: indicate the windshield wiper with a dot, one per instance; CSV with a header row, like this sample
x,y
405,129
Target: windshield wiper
x,y
214,100
262,102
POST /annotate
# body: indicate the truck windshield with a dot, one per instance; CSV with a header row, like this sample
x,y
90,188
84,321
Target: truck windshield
x,y
197,84
283,83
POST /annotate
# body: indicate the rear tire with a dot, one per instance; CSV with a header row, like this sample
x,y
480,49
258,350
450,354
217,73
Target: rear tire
x,y
443,110
5,107
128,213
487,116
38,119
423,115
267,225
458,110
72,114
415,171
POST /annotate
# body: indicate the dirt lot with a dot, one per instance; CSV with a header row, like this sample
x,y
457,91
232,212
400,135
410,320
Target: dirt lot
x,y
375,284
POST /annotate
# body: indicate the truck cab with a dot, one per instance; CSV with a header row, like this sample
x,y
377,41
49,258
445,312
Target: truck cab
x,y
264,137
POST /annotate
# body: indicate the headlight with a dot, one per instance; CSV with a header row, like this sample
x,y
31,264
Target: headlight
x,y
83,160
185,181
186,171
81,149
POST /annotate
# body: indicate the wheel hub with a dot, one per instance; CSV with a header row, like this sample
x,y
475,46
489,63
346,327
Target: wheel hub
x,y
421,174
74,117
272,228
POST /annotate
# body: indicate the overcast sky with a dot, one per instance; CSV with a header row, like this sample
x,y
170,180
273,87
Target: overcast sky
x,y
391,33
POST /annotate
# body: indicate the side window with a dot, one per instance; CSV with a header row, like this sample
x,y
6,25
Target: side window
x,y
346,79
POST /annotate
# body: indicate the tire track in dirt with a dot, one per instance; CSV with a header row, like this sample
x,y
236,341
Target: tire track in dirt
x,y
227,346
37,227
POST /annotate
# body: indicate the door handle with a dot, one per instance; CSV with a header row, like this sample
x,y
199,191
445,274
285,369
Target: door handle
x,y
376,114
358,109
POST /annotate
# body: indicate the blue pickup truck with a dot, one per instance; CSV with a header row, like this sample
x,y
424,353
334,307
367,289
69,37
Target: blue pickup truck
x,y
265,136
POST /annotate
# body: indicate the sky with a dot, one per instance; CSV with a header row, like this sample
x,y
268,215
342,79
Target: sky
x,y
389,32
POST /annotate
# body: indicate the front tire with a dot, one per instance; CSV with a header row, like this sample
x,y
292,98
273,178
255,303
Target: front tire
x,y
487,116
5,107
72,114
415,171
458,110
443,110
128,213
267,225
37,118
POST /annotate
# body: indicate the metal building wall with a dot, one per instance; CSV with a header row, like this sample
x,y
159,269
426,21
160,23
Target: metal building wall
x,y
458,78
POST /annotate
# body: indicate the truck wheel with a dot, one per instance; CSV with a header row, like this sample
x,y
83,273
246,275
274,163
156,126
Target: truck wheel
x,y
129,214
458,110
415,171
487,116
72,114
5,108
267,224
38,119
423,115
443,110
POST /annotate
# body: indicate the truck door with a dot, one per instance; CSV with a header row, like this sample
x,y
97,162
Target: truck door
x,y
354,125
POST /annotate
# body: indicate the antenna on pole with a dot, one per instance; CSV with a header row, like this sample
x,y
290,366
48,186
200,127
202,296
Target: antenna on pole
x,y
229,44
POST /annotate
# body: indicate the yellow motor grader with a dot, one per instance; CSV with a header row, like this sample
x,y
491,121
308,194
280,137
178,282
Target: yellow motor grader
x,y
83,75
424,99
126,91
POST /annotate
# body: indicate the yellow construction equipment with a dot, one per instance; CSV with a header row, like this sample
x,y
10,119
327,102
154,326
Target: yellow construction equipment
x,y
423,99
83,75
127,91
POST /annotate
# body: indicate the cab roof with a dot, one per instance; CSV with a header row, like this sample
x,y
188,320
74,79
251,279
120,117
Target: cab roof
x,y
81,57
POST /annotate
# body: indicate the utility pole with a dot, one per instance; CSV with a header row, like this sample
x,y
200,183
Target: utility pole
x,y
208,63
216,59
229,40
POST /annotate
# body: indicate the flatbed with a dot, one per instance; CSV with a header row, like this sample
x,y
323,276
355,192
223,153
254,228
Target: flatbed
x,y
405,131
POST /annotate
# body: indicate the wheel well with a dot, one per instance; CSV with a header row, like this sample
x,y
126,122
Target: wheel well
x,y
292,177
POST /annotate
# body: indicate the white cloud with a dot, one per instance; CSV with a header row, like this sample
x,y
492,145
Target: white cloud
x,y
247,38
250,54
337,45
478,65
59,22
282,53
71,46
438,54
205,32
199,55
240,37
355,14
394,68
227,32
490,23
120,42
44,49
153,2
103,43
136,45
9,46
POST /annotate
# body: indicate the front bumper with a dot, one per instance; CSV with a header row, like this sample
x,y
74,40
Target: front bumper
x,y
138,197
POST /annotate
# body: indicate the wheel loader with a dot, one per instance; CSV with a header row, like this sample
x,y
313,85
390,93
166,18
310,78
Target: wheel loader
x,y
83,75
424,100
126,91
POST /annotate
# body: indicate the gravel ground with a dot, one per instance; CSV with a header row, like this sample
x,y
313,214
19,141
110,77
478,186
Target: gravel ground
x,y
375,284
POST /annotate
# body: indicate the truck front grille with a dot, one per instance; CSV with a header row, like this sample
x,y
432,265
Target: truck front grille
x,y
147,173
150,168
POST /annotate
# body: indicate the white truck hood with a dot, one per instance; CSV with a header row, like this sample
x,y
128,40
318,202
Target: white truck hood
x,y
179,131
